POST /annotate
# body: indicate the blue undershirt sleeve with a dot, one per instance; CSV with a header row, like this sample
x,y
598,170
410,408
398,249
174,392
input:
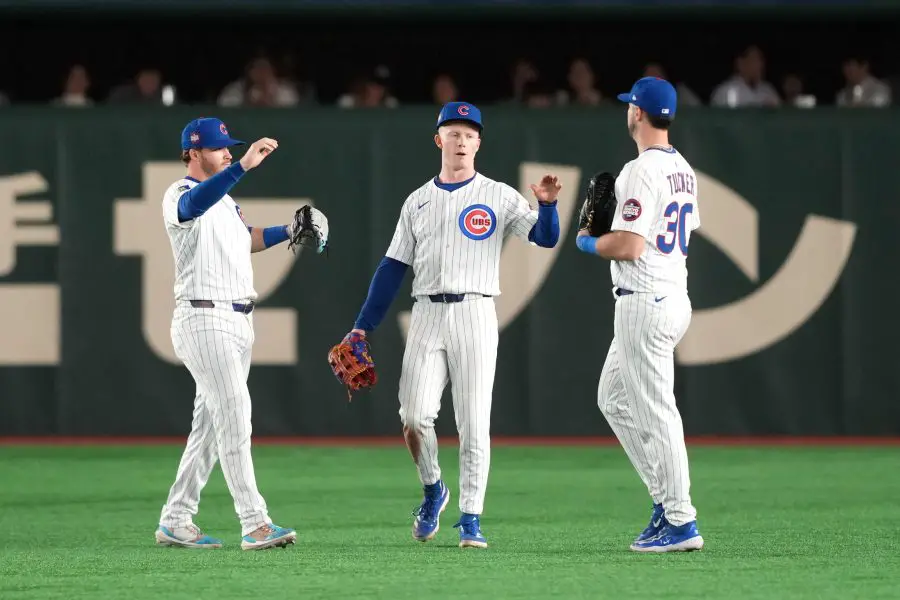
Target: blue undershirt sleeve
x,y
545,232
275,235
382,291
587,244
200,198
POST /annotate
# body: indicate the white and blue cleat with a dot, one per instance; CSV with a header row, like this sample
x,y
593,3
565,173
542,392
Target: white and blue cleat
x,y
428,514
672,538
188,536
470,534
657,523
268,536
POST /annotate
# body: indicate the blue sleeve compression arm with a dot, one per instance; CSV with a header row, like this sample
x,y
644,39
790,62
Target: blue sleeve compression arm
x,y
201,197
587,243
382,291
545,232
275,235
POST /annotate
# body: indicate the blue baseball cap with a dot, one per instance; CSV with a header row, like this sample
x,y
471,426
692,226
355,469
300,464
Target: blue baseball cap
x,y
460,111
654,95
206,132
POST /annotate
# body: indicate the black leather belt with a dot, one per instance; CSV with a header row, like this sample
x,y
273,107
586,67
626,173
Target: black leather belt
x,y
241,308
623,292
451,297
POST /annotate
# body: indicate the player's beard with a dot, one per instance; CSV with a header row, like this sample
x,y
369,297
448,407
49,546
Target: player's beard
x,y
210,168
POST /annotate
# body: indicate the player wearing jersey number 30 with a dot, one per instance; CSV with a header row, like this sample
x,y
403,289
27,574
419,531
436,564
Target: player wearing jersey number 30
x,y
212,331
648,245
451,230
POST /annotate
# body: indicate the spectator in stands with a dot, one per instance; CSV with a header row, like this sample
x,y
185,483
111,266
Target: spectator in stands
x,y
370,91
747,87
290,70
75,88
862,88
582,86
260,86
145,89
536,94
686,96
792,89
444,90
522,74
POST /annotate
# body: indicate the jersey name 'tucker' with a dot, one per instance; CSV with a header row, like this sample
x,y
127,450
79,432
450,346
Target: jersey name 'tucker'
x,y
453,239
657,199
212,251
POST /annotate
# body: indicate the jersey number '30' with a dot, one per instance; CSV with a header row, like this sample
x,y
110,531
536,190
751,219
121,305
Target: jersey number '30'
x,y
677,227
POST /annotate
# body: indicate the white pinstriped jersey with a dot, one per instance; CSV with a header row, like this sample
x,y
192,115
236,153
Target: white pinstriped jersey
x,y
657,193
212,251
453,239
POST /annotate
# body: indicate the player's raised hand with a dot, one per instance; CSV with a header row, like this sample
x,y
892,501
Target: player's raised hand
x,y
257,152
547,189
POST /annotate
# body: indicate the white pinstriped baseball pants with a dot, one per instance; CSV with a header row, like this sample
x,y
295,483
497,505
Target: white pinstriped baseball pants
x,y
215,345
455,343
636,395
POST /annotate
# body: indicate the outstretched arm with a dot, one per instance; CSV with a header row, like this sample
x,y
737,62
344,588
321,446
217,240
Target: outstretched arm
x,y
382,291
263,239
200,198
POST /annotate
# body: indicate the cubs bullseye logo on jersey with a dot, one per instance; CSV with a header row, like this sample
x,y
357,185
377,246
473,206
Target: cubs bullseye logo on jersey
x,y
477,222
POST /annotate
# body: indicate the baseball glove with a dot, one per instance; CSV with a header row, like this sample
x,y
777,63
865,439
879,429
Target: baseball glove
x,y
351,361
308,228
599,206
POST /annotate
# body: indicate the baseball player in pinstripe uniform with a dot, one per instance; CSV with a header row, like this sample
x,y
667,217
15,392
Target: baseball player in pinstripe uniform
x,y
212,332
451,230
648,246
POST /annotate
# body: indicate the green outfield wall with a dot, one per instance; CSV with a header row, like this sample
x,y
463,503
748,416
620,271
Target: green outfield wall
x,y
793,274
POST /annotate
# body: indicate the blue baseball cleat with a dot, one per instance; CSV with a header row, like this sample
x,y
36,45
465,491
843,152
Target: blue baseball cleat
x,y
268,536
657,522
672,538
428,514
188,536
470,535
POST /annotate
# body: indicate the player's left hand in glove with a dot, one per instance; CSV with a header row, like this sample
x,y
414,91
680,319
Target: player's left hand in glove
x,y
308,228
599,206
351,362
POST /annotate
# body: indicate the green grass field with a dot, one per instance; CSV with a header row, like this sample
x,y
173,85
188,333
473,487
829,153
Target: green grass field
x,y
78,522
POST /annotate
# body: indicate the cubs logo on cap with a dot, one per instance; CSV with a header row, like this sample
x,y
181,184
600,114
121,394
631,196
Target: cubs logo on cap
x,y
477,222
206,132
460,111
